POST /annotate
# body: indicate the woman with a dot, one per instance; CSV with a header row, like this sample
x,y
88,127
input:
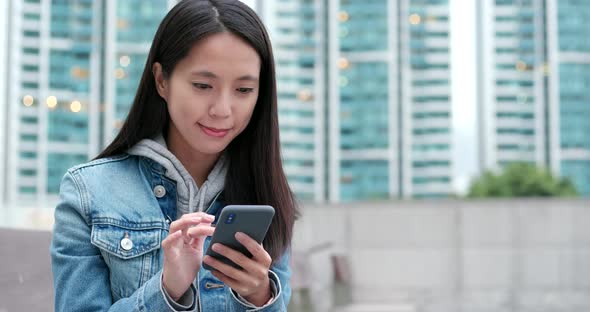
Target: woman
x,y
131,226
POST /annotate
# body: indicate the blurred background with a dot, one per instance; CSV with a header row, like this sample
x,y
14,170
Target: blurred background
x,y
440,149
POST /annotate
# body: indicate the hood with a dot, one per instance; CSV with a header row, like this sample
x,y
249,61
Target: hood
x,y
190,197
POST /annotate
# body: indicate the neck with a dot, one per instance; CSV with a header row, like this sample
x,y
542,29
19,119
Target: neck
x,y
199,165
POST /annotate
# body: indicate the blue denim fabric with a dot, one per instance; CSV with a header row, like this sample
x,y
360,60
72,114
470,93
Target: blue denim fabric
x,y
107,201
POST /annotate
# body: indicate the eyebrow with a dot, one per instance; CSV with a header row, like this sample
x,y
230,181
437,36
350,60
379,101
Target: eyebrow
x,y
208,74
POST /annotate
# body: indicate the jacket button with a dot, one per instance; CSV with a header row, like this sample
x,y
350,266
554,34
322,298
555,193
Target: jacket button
x,y
159,191
126,244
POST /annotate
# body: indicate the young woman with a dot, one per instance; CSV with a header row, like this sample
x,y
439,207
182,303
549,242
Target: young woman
x,y
131,226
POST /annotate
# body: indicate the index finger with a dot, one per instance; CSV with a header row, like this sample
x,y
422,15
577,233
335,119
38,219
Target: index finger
x,y
186,221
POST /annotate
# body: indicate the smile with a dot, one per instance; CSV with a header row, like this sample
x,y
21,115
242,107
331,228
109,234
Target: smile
x,y
214,132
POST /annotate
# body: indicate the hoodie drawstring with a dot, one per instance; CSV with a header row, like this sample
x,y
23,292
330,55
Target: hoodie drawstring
x,y
202,198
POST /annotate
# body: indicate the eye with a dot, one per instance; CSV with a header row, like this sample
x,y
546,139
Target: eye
x,y
245,90
202,86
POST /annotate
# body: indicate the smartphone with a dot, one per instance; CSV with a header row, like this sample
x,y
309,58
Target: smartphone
x,y
253,220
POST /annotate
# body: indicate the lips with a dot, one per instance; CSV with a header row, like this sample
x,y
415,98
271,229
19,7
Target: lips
x,y
214,132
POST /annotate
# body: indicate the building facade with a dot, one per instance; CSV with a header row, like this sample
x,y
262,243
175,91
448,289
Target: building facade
x,y
569,82
364,90
533,56
4,30
297,30
73,67
52,96
513,98
129,29
367,83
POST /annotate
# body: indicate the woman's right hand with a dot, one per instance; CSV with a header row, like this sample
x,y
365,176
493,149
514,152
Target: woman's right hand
x,y
183,251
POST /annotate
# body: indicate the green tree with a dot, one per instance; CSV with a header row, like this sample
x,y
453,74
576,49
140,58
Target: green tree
x,y
521,180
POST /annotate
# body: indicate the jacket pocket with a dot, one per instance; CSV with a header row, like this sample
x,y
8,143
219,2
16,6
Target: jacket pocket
x,y
131,252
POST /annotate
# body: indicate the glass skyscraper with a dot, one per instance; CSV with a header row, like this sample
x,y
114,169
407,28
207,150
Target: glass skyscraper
x,y
53,61
130,26
514,62
425,88
74,66
569,48
4,30
363,87
533,86
360,100
367,84
297,32
364,90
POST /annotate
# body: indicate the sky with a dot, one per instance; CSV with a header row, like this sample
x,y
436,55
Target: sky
x,y
463,80
251,2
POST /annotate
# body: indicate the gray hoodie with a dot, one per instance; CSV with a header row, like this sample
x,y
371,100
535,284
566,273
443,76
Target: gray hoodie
x,y
190,197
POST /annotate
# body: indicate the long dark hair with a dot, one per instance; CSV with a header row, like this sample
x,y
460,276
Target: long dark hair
x,y
255,174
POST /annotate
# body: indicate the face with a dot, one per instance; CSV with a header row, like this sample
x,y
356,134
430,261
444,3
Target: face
x,y
211,94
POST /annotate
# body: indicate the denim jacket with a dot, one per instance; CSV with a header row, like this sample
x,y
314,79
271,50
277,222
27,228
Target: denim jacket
x,y
106,249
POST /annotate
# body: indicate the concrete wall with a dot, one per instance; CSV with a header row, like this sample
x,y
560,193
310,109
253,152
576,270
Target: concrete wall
x,y
434,256
523,255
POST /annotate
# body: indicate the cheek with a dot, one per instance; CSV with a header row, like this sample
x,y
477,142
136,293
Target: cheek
x,y
246,114
176,114
183,105
176,108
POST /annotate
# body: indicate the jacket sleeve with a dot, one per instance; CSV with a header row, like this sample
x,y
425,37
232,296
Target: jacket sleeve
x,y
80,274
280,276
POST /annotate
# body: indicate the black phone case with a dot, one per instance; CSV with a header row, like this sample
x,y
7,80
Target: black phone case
x,y
253,220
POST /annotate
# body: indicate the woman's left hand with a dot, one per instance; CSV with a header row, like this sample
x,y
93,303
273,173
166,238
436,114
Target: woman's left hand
x,y
252,283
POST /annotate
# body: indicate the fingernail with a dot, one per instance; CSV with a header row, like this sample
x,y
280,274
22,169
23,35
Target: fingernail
x,y
216,247
239,235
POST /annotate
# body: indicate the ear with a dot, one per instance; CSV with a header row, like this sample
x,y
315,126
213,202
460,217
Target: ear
x,y
161,82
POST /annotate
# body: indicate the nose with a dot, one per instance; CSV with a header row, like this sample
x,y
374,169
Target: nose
x,y
221,107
